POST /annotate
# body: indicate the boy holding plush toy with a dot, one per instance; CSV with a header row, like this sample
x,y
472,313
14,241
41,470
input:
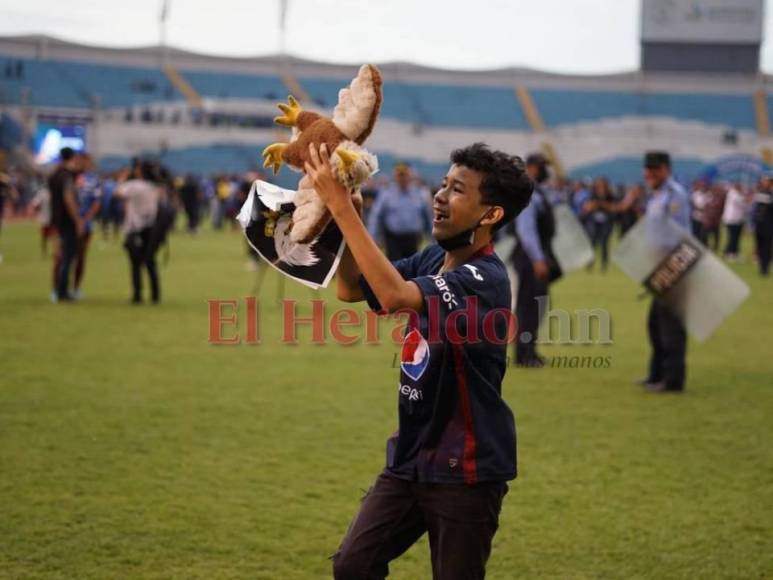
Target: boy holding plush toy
x,y
448,464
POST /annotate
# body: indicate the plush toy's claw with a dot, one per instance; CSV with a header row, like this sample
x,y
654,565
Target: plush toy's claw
x,y
273,156
347,158
290,113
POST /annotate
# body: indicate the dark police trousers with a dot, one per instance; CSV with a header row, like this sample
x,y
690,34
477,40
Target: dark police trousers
x,y
527,312
142,254
461,521
764,234
668,339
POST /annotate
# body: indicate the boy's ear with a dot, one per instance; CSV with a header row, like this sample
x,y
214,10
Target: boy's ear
x,y
494,215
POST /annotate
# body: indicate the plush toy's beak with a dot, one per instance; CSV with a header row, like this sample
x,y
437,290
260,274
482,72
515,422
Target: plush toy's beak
x,y
347,158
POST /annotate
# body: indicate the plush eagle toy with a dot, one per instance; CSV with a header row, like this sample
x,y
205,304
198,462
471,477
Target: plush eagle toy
x,y
353,119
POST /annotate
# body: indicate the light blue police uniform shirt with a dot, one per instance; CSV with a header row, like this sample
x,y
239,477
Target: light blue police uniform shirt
x,y
400,212
526,227
670,199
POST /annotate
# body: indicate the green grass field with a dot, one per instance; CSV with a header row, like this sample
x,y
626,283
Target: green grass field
x,y
132,448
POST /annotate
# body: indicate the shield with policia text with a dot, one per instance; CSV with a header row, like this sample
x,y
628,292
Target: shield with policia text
x,y
678,270
571,245
266,218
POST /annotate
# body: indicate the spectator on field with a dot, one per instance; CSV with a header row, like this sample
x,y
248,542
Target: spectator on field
x,y
712,215
142,194
41,204
401,214
598,217
734,217
89,203
191,194
65,216
762,217
699,199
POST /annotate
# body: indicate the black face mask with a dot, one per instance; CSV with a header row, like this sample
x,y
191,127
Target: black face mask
x,y
462,239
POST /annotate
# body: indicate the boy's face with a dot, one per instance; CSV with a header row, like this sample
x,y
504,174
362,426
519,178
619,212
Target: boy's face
x,y
457,204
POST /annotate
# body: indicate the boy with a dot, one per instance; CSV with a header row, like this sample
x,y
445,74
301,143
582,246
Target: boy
x,y
448,464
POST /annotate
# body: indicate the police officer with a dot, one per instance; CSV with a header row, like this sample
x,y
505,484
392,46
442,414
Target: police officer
x,y
667,334
534,262
763,223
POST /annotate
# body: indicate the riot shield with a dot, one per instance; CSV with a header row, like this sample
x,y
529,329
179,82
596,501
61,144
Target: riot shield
x,y
266,218
571,245
680,272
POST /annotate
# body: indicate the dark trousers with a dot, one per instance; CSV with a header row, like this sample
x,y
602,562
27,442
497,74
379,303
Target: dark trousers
x,y
599,234
68,249
401,245
80,259
460,519
527,312
764,235
733,239
699,231
191,206
668,340
142,254
712,237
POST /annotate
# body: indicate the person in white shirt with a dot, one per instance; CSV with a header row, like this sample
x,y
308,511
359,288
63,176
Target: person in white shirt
x,y
734,216
41,203
142,195
699,199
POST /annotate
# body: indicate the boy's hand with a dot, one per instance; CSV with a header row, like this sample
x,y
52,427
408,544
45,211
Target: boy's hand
x,y
333,194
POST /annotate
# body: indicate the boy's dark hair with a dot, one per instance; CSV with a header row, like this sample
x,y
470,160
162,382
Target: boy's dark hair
x,y
505,182
66,153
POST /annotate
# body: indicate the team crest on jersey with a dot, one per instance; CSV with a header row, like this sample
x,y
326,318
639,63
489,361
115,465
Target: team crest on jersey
x,y
414,358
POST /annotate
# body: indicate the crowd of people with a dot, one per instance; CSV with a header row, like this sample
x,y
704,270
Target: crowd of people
x,y
139,203
397,212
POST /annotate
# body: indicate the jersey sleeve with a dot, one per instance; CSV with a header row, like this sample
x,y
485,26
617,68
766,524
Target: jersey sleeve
x,y
451,289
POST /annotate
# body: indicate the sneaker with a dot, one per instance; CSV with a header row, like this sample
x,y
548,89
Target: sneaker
x,y
53,297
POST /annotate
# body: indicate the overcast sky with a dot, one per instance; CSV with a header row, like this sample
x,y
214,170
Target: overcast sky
x,y
571,36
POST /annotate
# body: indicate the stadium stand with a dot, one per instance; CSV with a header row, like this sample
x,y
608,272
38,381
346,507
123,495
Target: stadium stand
x,y
207,113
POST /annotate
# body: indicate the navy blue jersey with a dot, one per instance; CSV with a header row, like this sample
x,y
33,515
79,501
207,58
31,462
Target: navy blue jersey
x,y
454,426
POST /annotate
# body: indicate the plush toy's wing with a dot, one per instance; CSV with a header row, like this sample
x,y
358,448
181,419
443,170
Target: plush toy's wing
x,y
359,104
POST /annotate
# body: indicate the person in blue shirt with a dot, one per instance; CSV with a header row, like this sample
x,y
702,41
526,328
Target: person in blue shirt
x,y
534,262
667,335
89,203
448,463
401,214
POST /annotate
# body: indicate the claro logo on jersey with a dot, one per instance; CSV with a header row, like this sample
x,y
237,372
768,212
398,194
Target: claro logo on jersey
x,y
414,358
445,292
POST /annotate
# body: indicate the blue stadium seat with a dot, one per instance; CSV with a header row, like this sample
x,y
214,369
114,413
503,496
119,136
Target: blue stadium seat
x,y
224,85
83,85
434,105
562,107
